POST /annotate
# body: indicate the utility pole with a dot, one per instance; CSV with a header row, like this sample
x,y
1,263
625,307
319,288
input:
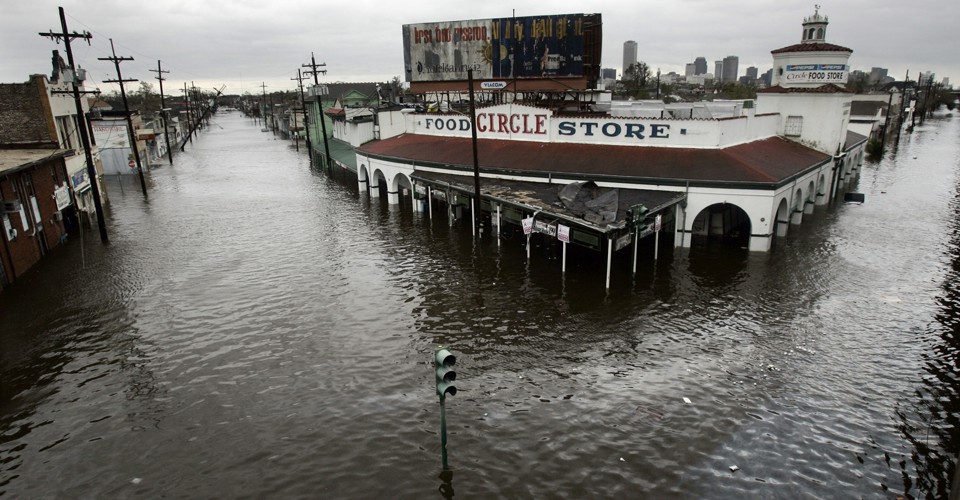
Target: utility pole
x,y
303,109
163,110
263,105
477,220
323,121
186,100
126,110
81,119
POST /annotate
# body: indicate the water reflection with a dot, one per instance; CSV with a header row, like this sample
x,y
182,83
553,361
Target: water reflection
x,y
931,422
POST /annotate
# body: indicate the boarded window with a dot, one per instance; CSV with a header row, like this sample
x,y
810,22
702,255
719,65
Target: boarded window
x,y
794,126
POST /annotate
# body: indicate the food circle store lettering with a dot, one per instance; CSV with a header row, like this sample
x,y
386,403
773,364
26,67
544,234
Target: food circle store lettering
x,y
501,123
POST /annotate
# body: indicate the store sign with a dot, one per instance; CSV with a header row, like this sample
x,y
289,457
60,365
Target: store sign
x,y
623,242
493,85
816,73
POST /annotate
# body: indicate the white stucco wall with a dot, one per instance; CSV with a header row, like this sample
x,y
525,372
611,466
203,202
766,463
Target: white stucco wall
x,y
825,117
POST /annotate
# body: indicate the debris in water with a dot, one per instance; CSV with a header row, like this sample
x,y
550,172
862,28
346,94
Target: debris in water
x,y
136,480
687,400
734,468
622,460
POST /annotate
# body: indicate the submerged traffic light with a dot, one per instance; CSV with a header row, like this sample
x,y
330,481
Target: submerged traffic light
x,y
443,362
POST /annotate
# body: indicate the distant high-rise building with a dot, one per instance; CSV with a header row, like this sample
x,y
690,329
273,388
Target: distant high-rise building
x,y
690,69
730,67
700,65
608,73
877,74
718,70
767,77
629,54
752,73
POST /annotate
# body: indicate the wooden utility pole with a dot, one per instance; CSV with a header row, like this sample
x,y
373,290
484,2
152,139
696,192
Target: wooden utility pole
x,y
186,100
126,110
163,110
82,119
263,105
316,84
303,109
478,221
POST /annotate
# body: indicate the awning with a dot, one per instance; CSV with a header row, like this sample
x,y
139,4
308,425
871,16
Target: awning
x,y
544,198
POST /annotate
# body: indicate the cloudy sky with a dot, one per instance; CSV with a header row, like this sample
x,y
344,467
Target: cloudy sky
x,y
243,43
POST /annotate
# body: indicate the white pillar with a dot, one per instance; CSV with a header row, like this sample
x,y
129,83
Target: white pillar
x,y
375,190
473,216
609,259
563,269
636,241
430,202
498,224
393,198
656,245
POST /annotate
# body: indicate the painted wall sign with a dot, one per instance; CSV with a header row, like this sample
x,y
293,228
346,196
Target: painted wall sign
x,y
522,47
816,73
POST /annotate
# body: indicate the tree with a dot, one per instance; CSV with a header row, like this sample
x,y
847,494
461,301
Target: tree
x,y
635,80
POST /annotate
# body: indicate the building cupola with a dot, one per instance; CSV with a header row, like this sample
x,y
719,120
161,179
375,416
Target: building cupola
x,y
815,27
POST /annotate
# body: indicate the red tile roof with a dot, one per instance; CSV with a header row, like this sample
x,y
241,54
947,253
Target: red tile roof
x,y
766,161
812,47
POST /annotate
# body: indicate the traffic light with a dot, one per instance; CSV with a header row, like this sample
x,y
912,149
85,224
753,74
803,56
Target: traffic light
x,y
443,362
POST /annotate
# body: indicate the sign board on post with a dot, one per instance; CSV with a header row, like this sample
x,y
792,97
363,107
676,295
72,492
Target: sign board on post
x,y
659,223
623,241
563,233
545,227
527,225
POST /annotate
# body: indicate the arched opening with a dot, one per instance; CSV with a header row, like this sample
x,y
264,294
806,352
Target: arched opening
x,y
404,190
378,186
811,198
796,211
363,179
822,190
783,218
722,223
820,34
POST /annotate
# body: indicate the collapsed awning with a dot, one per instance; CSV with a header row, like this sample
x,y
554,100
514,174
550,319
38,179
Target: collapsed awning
x,y
545,198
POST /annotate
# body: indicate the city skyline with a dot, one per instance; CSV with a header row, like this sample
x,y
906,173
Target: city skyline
x,y
244,46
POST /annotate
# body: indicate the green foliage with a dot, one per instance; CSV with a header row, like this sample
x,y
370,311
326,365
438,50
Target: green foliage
x,y
874,147
737,90
635,80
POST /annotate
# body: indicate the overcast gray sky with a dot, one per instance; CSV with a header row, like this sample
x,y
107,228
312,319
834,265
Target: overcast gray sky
x,y
243,43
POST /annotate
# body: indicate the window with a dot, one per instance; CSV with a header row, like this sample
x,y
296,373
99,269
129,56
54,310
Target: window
x,y
67,132
794,126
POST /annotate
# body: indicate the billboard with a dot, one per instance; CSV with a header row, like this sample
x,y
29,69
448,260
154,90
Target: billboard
x,y
550,46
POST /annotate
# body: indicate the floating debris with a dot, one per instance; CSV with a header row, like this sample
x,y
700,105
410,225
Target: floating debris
x,y
734,468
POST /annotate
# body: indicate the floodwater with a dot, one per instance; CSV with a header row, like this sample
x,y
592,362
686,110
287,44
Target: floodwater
x,y
259,329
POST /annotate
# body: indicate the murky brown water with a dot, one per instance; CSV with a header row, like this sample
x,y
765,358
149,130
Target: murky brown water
x,y
259,329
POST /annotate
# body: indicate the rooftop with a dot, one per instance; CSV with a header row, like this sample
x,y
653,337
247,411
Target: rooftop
x,y
762,163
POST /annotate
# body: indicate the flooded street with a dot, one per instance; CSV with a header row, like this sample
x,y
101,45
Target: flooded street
x,y
257,328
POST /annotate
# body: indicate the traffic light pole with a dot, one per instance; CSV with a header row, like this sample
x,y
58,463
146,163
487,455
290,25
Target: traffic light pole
x,y
443,433
443,361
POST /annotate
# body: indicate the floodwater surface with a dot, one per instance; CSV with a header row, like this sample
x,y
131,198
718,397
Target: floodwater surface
x,y
257,328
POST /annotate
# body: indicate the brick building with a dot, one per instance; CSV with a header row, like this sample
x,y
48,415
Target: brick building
x,y
34,188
